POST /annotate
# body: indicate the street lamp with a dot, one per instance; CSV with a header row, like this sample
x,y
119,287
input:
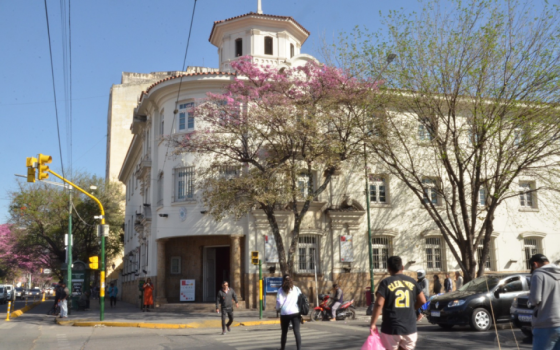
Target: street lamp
x,y
390,58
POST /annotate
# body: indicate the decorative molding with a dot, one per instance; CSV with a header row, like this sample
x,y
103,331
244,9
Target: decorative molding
x,y
431,233
528,234
385,232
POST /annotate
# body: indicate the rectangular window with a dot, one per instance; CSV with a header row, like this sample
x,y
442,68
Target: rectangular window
x,y
268,45
292,50
162,125
433,254
488,263
238,47
229,172
430,191
482,196
175,265
381,248
526,195
425,132
160,190
531,246
307,253
186,116
377,193
517,137
184,183
304,185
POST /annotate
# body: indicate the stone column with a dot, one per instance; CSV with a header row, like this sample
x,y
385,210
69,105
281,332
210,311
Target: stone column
x,y
161,272
235,263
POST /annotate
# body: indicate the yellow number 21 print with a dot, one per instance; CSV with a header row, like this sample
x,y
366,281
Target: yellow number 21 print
x,y
403,299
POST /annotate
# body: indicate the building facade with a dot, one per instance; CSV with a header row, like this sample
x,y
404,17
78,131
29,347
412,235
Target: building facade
x,y
169,237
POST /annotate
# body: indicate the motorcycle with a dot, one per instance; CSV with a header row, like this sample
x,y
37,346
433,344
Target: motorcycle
x,y
323,311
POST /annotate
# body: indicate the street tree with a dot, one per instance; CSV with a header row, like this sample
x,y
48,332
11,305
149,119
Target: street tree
x,y
14,259
468,109
39,216
273,140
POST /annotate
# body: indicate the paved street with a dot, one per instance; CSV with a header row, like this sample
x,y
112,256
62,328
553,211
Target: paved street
x,y
36,331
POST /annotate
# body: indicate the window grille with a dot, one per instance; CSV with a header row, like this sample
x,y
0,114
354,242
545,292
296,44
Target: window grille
x,y
430,191
175,265
377,192
488,263
184,183
525,195
229,172
531,246
307,251
433,254
381,248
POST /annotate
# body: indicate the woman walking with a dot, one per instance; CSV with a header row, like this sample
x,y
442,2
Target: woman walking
x,y
287,304
148,295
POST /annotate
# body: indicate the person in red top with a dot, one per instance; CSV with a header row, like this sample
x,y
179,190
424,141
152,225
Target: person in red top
x,y
148,295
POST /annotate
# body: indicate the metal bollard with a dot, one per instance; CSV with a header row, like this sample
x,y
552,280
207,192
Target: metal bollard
x,y
26,297
43,296
8,313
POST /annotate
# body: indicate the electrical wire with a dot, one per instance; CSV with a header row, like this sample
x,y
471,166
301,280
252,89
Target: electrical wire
x,y
70,81
54,89
82,220
180,82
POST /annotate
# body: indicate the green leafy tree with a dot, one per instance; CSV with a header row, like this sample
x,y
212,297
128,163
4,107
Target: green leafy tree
x,y
468,109
39,216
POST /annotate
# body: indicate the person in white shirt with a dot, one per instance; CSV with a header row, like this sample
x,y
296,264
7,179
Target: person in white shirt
x,y
287,305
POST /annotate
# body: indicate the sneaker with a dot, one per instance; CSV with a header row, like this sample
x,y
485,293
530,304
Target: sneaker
x,y
228,329
223,332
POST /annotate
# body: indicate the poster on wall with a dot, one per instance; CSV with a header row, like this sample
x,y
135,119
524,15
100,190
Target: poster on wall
x,y
346,249
270,251
187,290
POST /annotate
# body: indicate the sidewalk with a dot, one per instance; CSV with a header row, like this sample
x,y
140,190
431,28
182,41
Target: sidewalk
x,y
128,315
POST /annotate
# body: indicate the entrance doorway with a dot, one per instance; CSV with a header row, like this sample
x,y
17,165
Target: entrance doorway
x,y
216,270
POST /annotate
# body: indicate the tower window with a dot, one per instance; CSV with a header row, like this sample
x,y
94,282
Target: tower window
x,y
292,50
238,47
268,45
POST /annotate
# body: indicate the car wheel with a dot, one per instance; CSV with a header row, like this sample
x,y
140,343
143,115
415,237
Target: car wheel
x,y
527,332
445,326
481,320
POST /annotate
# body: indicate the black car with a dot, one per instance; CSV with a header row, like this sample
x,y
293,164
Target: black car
x,y
477,300
521,313
34,292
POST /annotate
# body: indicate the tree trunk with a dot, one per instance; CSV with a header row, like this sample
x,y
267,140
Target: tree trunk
x,y
269,211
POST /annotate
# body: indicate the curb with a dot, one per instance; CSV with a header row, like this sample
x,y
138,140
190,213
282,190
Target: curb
x,y
193,325
23,310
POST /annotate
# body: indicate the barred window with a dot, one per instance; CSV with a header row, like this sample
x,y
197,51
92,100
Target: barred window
x,y
307,253
488,262
433,254
229,172
377,192
175,265
430,191
531,246
184,183
381,248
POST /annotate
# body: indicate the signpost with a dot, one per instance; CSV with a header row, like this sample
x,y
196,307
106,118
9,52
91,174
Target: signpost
x,y
255,260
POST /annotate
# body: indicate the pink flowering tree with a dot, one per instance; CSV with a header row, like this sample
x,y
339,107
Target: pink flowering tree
x,y
274,139
16,258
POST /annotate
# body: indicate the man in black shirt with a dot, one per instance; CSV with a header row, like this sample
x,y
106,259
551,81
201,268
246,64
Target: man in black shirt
x,y
398,296
225,303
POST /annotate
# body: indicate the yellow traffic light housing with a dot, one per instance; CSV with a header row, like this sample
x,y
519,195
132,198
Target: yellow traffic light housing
x,y
255,258
93,262
30,174
43,169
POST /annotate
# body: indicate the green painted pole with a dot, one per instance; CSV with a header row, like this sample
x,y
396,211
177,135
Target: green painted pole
x,y
260,290
371,284
70,258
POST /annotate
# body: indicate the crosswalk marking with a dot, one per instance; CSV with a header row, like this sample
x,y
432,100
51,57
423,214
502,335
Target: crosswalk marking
x,y
252,340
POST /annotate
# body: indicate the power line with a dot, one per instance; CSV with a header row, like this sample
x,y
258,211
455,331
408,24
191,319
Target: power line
x,y
180,81
70,99
54,90
76,210
44,102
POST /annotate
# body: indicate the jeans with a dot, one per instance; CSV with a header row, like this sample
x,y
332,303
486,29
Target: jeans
x,y
284,324
546,338
229,313
113,301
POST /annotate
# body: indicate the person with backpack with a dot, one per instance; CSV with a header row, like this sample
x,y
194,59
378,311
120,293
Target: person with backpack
x,y
287,303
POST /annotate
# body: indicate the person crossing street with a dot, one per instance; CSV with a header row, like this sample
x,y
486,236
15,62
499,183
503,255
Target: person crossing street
x,y
224,302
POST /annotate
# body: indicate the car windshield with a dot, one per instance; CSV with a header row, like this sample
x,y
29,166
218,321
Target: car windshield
x,y
479,284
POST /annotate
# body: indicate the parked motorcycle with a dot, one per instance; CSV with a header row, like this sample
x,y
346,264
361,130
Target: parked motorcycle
x,y
323,311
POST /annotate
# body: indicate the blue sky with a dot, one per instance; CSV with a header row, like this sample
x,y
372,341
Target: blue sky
x,y
110,37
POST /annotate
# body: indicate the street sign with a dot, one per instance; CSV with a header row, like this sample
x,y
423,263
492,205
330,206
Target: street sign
x,y
272,284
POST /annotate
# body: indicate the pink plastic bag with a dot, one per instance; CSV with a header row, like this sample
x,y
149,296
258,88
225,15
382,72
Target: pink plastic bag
x,y
373,342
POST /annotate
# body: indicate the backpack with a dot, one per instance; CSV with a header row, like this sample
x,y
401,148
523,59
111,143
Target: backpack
x,y
303,304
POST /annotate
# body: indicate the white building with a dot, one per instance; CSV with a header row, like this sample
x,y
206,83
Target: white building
x,y
169,237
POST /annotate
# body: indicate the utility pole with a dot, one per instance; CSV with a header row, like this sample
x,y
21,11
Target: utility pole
x,y
70,259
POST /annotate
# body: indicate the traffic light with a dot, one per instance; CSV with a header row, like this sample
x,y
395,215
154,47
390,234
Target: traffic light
x,y
43,169
93,262
255,258
30,163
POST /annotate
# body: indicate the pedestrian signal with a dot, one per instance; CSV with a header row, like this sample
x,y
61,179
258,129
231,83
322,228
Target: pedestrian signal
x,y
255,258
43,169
93,262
